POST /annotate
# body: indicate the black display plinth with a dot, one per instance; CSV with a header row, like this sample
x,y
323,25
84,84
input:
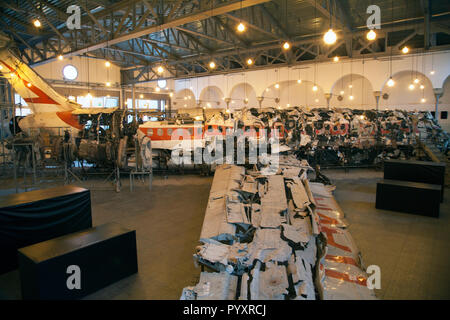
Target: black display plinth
x,y
31,217
410,197
103,254
416,171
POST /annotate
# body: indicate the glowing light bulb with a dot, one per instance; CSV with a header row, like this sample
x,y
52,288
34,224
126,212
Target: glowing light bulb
x,y
405,50
371,35
423,100
185,98
1,67
141,96
391,82
330,37
171,94
317,100
108,84
416,80
72,98
249,61
422,86
286,45
299,81
29,85
351,97
37,23
241,27
212,64
157,89
60,57
350,86
89,96
227,111
336,59
315,88
107,64
277,86
432,72
342,92
160,69
411,87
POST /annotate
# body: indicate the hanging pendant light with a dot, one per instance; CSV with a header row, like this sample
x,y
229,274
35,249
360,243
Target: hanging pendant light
x,y
330,37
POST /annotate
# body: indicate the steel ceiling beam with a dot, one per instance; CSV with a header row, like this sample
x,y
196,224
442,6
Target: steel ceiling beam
x,y
175,22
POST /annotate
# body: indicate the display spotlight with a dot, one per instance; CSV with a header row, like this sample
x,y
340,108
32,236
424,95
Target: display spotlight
x,y
249,61
336,59
212,64
160,70
411,87
391,82
405,50
60,57
315,88
241,27
286,45
371,35
107,64
37,23
330,37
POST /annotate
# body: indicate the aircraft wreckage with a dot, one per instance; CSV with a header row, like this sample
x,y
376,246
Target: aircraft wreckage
x,y
276,236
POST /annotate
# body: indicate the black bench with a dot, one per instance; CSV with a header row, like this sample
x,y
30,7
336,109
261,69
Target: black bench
x,y
35,216
416,171
102,255
410,197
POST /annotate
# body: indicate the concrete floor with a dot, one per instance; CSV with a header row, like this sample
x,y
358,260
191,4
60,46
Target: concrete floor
x,y
412,251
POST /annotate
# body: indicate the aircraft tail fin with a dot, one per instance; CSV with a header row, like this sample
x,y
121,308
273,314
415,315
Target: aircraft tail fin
x,y
37,93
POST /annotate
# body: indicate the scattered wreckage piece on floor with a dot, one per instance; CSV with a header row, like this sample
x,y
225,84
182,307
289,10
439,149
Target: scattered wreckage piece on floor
x,y
275,237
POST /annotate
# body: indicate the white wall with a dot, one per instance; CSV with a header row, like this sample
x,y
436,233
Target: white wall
x,y
98,72
365,76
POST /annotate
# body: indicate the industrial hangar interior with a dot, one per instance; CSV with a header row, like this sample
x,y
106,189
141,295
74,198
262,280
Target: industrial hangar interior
x,y
224,149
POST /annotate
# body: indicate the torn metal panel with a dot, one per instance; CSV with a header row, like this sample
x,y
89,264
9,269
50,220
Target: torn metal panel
x,y
299,232
299,195
267,245
216,286
215,224
270,284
